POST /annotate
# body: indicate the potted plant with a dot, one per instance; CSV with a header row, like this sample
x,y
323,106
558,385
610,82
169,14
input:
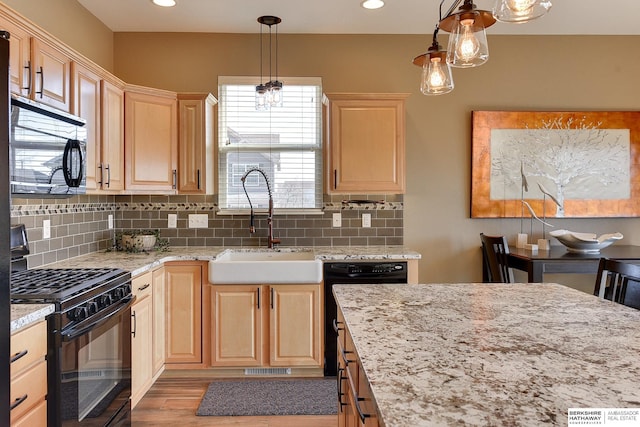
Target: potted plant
x,y
142,241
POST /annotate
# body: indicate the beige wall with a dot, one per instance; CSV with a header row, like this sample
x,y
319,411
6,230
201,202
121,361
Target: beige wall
x,y
524,72
72,24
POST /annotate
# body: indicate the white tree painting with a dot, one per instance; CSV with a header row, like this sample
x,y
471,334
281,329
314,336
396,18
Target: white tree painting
x,y
575,159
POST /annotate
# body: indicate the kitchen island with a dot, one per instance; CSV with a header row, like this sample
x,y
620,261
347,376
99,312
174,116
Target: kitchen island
x,y
490,354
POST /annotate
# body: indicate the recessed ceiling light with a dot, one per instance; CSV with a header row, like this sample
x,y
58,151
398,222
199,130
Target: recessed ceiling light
x,y
372,4
164,3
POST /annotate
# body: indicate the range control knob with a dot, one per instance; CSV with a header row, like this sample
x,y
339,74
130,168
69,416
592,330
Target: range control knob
x,y
105,300
92,307
80,313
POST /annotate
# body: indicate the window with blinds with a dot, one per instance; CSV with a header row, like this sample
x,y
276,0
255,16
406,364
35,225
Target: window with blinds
x,y
284,142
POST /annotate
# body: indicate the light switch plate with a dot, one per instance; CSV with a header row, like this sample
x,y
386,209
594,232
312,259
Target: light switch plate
x,y
366,220
110,222
198,220
172,221
46,228
337,220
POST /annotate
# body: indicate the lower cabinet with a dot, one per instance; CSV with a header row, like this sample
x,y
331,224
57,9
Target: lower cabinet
x,y
141,337
29,376
266,325
356,406
183,316
158,320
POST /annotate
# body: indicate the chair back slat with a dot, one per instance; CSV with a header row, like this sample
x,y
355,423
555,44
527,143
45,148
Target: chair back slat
x,y
496,250
618,281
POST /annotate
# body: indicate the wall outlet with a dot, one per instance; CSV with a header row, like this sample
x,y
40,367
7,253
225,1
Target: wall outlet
x,y
366,220
110,222
198,220
337,220
46,229
172,221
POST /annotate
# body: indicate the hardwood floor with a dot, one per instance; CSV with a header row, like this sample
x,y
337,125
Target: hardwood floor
x,y
173,402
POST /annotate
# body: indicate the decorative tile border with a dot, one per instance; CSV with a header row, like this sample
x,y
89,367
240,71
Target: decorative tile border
x,y
57,209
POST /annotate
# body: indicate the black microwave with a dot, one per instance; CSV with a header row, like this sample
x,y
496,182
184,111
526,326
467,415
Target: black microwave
x,y
47,151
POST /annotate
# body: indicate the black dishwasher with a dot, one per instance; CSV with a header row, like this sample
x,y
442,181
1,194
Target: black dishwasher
x,y
351,273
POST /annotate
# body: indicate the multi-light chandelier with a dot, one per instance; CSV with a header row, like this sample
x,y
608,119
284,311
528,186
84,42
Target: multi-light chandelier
x,y
269,94
468,45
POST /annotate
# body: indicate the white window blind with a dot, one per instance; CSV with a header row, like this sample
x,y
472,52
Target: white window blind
x,y
284,142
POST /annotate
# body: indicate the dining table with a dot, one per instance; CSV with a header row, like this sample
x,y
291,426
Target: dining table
x,y
558,259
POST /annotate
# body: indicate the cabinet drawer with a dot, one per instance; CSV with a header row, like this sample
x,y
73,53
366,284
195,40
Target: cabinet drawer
x,y
29,389
37,417
141,285
28,346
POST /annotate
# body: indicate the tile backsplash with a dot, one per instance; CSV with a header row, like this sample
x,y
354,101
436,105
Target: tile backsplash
x,y
79,225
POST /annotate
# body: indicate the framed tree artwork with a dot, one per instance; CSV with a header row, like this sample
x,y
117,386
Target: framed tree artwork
x,y
562,164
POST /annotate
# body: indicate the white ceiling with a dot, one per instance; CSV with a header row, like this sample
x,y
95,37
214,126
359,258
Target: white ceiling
x,y
348,17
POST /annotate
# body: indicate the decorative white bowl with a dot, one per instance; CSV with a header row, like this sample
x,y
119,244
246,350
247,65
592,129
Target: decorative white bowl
x,y
584,242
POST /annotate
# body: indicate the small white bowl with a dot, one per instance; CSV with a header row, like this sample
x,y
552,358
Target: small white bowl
x,y
584,242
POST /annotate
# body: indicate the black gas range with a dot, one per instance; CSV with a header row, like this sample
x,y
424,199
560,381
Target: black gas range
x,y
89,342
77,293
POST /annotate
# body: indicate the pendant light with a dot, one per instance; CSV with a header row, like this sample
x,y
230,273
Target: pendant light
x,y
269,94
520,10
436,71
468,45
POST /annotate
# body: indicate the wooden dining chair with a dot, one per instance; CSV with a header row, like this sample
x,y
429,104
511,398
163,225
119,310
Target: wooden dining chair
x,y
495,250
618,281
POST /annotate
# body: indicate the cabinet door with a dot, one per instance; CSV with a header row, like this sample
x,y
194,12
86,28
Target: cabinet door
x,y
86,104
158,320
366,143
141,348
295,325
196,164
19,59
236,325
112,126
51,75
183,331
151,142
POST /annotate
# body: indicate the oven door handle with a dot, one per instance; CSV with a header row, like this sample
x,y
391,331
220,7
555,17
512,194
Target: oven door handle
x,y
83,328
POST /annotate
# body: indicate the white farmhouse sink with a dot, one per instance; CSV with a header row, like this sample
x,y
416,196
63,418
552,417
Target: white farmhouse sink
x,y
265,267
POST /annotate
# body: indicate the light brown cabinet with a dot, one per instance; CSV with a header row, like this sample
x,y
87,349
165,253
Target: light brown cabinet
x,y
86,104
29,376
101,104
111,162
151,140
141,337
266,325
196,151
366,143
158,321
183,322
40,69
356,406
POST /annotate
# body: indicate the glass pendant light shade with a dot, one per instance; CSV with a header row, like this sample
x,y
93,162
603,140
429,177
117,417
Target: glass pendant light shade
x,y
468,45
516,11
261,97
436,74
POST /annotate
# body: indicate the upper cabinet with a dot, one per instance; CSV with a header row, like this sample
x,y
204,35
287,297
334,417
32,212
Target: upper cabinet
x,y
151,140
366,143
110,163
39,69
196,152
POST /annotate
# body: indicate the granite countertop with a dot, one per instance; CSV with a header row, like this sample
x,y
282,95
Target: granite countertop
x,y
23,315
491,354
138,263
